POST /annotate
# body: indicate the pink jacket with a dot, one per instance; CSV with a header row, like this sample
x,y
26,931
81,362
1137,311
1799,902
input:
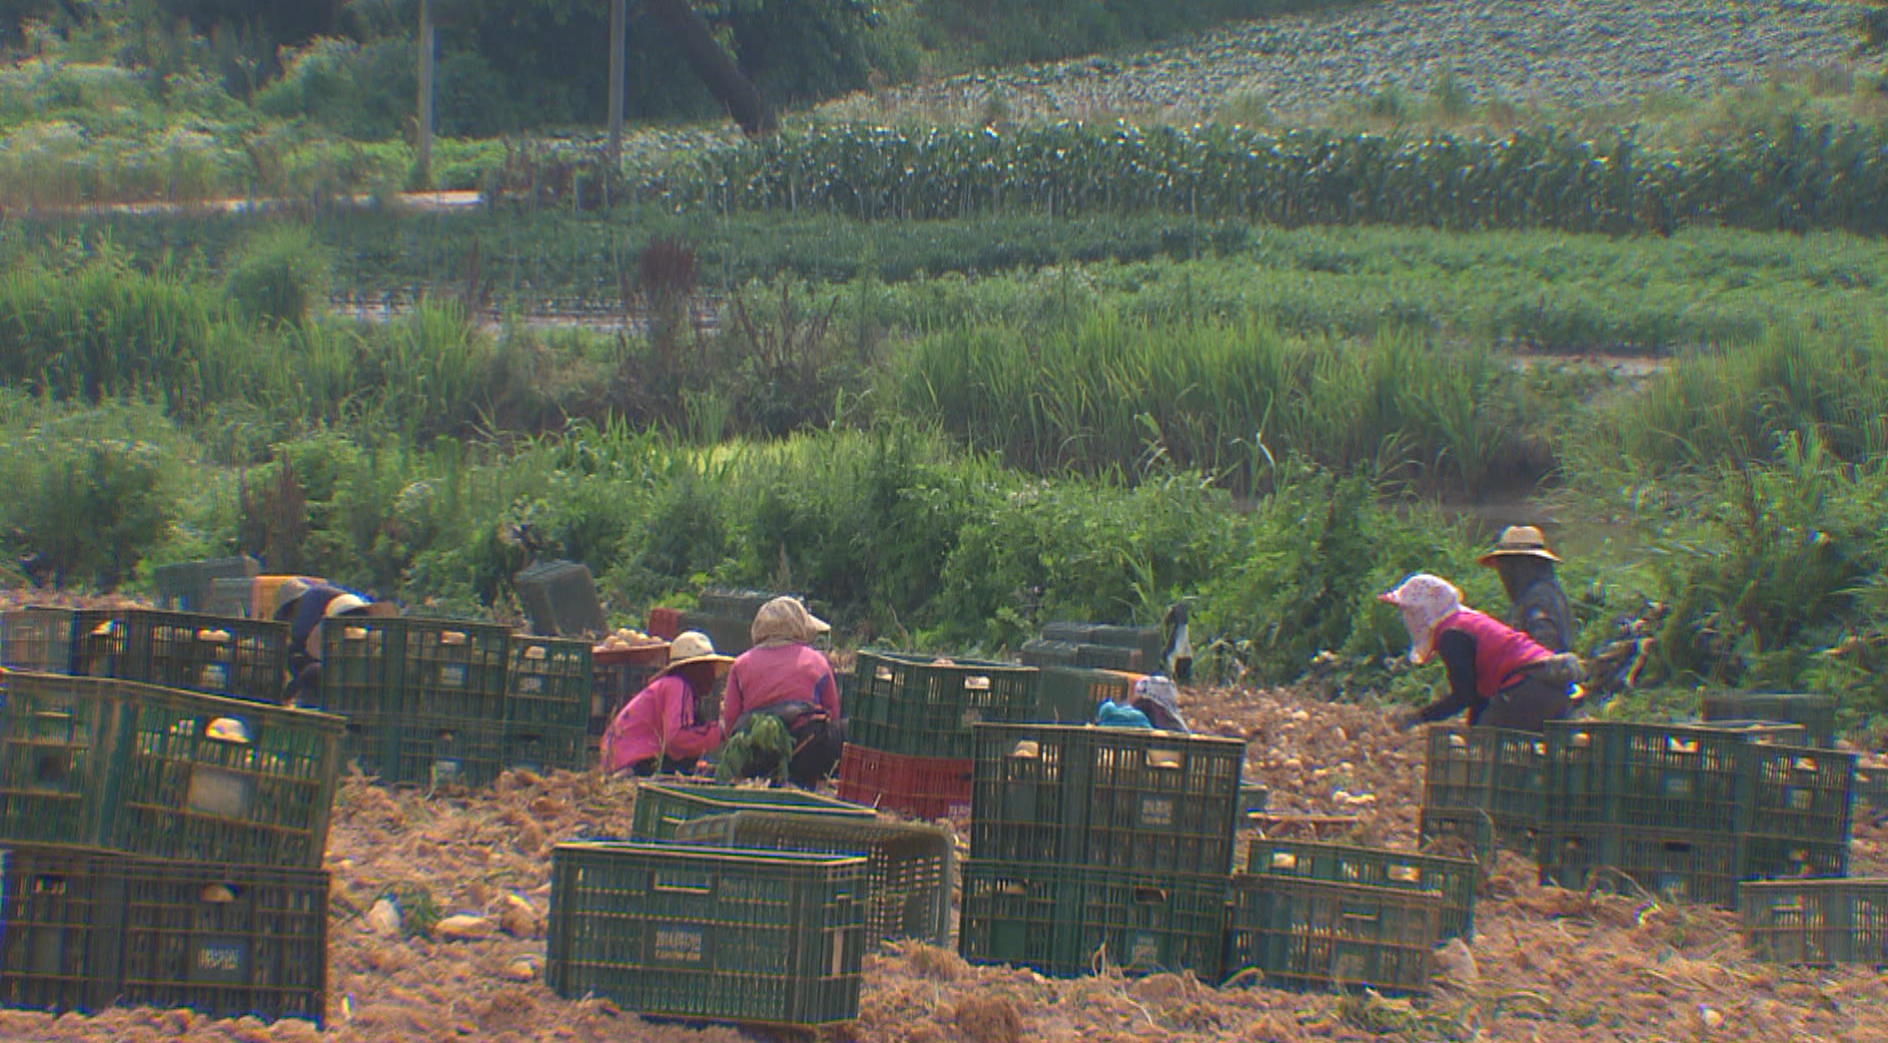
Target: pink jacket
x,y
773,674
658,721
1500,650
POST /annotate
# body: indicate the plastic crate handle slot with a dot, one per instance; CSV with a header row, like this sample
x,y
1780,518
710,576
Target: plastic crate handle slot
x,y
48,724
1149,895
535,652
1684,747
1026,750
213,636
673,881
1166,760
976,683
882,673
1284,861
1405,874
354,634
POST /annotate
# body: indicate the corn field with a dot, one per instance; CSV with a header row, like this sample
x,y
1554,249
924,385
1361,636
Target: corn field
x,y
1795,178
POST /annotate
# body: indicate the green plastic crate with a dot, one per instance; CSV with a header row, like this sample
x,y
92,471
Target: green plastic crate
x,y
88,930
1816,922
1071,695
1160,801
1816,713
414,668
186,586
1798,793
81,642
908,867
1302,933
219,655
1782,732
548,682
362,665
1503,773
445,753
221,780
60,737
454,670
1029,794
1453,879
661,807
1149,642
1700,867
560,600
678,930
1068,921
1645,776
1069,633
1122,797
542,749
731,635
1777,858
1044,652
917,706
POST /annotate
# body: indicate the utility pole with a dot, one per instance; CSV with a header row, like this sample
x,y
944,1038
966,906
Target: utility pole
x,y
423,147
617,30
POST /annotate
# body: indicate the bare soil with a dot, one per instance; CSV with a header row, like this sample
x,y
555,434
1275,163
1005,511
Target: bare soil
x,y
1545,964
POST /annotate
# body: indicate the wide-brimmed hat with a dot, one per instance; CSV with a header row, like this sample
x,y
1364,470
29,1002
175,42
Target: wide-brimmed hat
x,y
693,646
1519,541
786,619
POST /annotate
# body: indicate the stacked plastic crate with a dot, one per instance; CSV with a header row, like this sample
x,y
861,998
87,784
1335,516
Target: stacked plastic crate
x,y
1097,646
1689,812
909,719
161,847
1092,844
762,916
1482,788
451,703
218,655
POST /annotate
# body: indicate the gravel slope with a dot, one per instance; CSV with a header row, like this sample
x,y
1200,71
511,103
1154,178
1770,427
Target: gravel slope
x,y
1562,52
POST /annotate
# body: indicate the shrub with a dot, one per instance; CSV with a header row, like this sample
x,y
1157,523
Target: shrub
x,y
280,275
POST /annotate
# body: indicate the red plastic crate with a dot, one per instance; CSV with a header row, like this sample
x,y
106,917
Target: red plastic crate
x,y
922,787
665,623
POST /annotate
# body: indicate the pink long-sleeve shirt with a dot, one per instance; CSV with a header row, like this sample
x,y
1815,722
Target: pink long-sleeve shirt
x,y
773,674
658,721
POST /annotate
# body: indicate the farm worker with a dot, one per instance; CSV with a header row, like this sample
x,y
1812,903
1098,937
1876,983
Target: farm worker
x,y
1502,677
1538,605
661,728
1156,696
306,603
783,676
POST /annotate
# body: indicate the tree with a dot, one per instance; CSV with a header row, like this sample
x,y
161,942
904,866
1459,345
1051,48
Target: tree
x,y
696,41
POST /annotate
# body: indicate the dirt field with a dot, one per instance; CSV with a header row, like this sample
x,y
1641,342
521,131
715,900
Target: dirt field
x,y
1545,964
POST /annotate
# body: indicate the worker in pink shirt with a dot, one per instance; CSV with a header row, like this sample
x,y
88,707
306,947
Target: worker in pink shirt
x,y
661,728
785,677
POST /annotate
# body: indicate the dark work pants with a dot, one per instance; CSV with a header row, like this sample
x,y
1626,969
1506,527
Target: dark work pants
x,y
1525,705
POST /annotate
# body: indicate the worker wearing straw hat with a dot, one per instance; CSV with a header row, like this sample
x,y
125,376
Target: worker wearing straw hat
x,y
1538,607
666,727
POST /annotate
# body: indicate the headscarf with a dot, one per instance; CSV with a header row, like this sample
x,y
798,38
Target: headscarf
x,y
1162,692
784,621
1424,600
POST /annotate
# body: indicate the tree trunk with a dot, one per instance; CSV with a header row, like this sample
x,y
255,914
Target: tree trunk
x,y
617,61
691,35
423,145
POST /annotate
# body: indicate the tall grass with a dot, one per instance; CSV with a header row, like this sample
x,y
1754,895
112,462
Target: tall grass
x,y
1743,402
1103,393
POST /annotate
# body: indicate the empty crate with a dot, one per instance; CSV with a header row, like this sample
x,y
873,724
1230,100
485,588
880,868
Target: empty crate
x,y
683,931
